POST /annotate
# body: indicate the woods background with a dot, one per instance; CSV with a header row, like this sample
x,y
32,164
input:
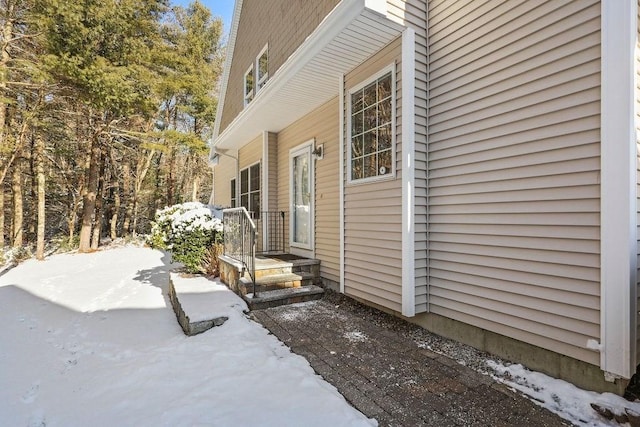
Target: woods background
x,y
105,110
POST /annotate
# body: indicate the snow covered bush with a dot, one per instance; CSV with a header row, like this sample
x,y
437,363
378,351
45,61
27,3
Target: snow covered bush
x,y
188,231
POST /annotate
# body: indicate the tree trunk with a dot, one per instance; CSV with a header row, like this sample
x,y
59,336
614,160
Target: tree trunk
x,y
195,188
142,168
39,157
89,199
7,35
185,170
32,201
126,184
71,220
16,188
115,186
1,215
170,178
97,227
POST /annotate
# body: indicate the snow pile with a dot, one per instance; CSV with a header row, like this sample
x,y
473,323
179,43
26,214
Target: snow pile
x,y
90,339
561,397
193,215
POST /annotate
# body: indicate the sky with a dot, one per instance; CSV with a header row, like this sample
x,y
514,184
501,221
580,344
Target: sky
x,y
222,8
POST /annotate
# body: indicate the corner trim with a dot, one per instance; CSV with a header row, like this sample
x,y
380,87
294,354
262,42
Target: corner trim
x,y
618,198
408,172
264,195
341,176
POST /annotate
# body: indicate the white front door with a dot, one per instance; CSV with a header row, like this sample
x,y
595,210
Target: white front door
x,y
301,171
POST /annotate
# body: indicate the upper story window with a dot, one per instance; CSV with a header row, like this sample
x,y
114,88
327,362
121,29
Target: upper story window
x,y
248,85
256,75
371,105
262,67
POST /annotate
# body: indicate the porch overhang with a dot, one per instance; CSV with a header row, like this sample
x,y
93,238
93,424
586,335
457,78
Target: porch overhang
x,y
351,33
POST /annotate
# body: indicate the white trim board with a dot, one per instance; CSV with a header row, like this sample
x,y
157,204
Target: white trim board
x,y
618,198
341,176
264,181
408,172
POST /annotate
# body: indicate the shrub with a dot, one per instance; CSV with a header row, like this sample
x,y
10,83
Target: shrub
x,y
188,231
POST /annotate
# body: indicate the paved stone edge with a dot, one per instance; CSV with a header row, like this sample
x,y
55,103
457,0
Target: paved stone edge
x,y
191,328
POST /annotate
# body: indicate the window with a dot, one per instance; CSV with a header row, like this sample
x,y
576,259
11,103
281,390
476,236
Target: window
x,y
248,86
262,68
371,153
234,198
250,189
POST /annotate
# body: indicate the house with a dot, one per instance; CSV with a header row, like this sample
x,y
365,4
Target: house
x,y
470,166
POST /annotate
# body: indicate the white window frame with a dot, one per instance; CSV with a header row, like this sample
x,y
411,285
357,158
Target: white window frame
x,y
392,175
248,96
261,80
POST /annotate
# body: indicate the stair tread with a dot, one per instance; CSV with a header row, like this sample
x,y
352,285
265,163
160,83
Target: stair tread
x,y
284,293
281,277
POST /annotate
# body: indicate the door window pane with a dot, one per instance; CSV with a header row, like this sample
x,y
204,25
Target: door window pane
x,y
301,194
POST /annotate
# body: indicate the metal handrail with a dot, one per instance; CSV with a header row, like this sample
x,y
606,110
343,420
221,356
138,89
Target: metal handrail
x,y
240,240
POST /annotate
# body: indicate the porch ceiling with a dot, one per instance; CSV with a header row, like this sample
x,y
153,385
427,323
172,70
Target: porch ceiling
x,y
350,34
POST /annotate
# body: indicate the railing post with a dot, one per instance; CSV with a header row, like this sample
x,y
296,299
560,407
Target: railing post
x,y
239,226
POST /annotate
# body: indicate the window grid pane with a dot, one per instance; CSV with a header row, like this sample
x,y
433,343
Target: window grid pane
x,y
250,190
263,69
371,129
234,198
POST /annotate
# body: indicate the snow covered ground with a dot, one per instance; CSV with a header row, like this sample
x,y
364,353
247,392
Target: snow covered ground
x,y
90,339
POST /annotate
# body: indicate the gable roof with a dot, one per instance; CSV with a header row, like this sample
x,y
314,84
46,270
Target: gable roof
x,y
353,31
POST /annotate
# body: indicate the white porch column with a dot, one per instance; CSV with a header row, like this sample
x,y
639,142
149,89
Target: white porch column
x,y
618,228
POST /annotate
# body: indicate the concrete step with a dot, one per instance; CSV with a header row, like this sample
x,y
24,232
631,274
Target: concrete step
x,y
285,296
276,281
280,264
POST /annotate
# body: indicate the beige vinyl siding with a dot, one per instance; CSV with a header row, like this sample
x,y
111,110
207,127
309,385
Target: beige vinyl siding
x,y
413,14
323,125
327,219
514,146
282,24
223,173
250,153
372,211
637,95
